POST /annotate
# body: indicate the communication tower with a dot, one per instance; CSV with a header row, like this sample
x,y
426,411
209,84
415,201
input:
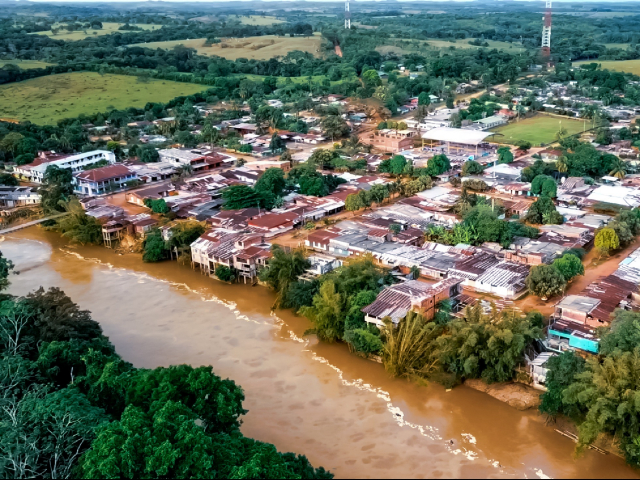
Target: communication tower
x,y
347,15
546,31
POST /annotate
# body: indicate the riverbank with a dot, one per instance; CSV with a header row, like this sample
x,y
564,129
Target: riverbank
x,y
343,412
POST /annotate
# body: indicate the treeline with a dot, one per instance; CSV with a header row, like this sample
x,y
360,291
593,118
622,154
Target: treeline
x,y
448,349
71,407
600,394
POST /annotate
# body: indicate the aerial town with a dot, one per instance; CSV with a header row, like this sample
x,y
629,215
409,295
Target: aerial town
x,y
456,226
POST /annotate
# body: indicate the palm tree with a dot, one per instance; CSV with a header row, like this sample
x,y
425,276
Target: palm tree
x,y
619,169
561,164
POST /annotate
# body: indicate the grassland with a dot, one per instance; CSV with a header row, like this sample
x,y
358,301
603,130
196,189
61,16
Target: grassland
x,y
257,48
537,130
402,47
46,100
107,29
256,20
25,64
629,66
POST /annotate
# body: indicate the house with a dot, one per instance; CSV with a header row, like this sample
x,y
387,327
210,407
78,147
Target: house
x,y
396,301
491,122
391,140
103,180
34,172
319,240
11,197
197,160
272,224
244,128
155,192
550,154
515,188
322,264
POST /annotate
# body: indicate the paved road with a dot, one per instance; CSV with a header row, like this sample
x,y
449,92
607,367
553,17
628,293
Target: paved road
x,y
30,224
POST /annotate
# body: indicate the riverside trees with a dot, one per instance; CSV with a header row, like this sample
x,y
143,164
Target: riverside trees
x,y
70,406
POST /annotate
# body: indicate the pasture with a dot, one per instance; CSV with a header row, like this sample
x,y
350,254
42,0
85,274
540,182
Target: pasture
x,y
25,64
401,47
261,20
537,130
252,48
45,100
107,29
628,66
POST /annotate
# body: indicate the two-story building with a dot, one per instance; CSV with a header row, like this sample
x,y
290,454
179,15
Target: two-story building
x,y
103,180
34,172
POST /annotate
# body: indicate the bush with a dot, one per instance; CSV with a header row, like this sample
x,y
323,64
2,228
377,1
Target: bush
x,y
225,273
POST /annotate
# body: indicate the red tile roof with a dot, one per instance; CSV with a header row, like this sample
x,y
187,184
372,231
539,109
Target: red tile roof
x,y
104,173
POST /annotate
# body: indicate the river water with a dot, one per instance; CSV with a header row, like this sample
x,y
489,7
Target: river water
x,y
342,412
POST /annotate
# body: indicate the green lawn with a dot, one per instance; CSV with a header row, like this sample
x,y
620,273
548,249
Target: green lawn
x,y
257,20
537,130
25,64
45,100
629,66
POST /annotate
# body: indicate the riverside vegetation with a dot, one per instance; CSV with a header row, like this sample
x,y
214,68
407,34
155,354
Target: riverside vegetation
x,y
71,407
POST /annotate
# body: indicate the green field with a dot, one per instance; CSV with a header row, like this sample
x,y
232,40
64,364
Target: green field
x,y
107,29
629,66
258,48
45,100
402,47
537,130
256,20
25,64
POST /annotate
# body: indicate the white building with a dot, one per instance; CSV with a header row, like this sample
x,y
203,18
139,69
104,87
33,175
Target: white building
x,y
35,171
11,197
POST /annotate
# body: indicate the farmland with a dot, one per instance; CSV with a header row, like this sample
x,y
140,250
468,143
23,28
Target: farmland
x,y
537,130
46,100
107,29
253,48
25,64
629,66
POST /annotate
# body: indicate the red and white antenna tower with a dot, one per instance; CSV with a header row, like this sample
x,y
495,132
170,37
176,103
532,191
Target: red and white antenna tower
x,y
546,32
347,15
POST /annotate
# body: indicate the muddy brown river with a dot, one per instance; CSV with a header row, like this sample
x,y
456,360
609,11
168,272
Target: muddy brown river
x,y
342,412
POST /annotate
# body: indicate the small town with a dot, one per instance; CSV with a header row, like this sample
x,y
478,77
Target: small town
x,y
430,217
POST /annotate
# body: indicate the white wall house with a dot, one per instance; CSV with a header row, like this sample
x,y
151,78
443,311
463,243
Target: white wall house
x,y
75,162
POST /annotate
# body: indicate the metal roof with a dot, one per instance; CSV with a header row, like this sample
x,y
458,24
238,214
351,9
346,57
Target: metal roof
x,y
456,135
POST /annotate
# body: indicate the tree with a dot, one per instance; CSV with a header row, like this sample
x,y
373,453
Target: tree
x,y
335,126
544,211
505,155
225,273
549,188
408,346
424,99
78,226
623,333
237,197
538,182
619,168
271,182
371,79
283,269
326,313
488,346
395,228
437,165
569,266
277,144
321,157
157,205
56,187
353,203
154,247
562,371
523,145
471,167
8,180
6,266
148,154
397,164
606,240
545,281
